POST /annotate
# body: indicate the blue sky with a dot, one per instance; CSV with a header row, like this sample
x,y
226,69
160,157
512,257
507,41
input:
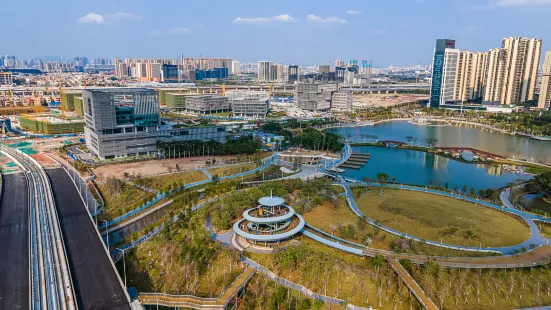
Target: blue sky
x,y
287,31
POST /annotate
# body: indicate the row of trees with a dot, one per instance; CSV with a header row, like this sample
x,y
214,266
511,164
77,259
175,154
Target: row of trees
x,y
453,288
188,148
306,136
541,184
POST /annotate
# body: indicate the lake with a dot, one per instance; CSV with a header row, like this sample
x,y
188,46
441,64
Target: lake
x,y
464,135
419,168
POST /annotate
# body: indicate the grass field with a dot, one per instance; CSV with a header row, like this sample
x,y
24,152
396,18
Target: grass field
x,y
155,267
438,218
163,181
469,289
231,170
326,217
545,229
334,273
128,199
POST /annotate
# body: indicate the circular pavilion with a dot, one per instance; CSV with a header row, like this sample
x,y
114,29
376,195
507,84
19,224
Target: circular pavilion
x,y
271,221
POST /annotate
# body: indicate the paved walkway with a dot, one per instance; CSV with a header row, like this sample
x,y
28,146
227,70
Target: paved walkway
x,y
206,172
195,302
535,240
413,286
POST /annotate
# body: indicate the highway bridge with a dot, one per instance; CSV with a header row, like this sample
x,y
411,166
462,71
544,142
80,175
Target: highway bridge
x,y
51,254
51,285
26,96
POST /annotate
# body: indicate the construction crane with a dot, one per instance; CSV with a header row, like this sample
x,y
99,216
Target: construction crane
x,y
223,86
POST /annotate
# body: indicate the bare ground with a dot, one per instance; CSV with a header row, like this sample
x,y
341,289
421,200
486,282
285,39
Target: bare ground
x,y
153,167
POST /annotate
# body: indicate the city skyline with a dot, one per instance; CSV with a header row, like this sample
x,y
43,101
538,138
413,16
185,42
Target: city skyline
x,y
245,31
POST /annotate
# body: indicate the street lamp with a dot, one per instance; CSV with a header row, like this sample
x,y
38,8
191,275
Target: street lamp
x,y
123,267
107,233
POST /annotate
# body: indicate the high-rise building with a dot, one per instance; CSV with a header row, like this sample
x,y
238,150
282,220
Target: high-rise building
x,y
235,67
169,73
118,120
267,71
494,75
339,73
324,68
544,101
444,64
522,59
293,74
470,80
339,63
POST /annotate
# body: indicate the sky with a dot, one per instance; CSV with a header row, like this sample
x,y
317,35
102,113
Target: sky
x,y
399,32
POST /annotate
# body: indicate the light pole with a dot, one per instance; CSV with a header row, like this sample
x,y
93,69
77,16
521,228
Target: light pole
x,y
107,233
123,267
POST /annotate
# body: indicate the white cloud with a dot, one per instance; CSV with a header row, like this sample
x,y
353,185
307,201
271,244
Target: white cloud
x,y
121,16
327,20
91,18
94,18
284,18
403,26
180,30
510,3
353,12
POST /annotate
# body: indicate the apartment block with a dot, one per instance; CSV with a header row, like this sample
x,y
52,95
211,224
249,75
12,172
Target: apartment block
x,y
518,70
471,79
544,101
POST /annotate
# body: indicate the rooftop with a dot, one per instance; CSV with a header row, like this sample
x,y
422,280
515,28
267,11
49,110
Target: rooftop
x,y
120,90
271,201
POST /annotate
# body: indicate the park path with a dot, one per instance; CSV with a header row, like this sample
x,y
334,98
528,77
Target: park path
x,y
413,286
189,301
535,240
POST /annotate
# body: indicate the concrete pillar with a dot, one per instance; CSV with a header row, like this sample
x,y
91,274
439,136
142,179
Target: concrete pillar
x,y
379,92
387,91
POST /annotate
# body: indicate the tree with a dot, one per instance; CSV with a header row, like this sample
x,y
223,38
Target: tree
x,y
541,184
382,178
481,193
430,184
446,185
464,189
393,180
469,234
473,191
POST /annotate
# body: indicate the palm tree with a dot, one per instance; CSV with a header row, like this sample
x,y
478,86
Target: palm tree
x,y
382,178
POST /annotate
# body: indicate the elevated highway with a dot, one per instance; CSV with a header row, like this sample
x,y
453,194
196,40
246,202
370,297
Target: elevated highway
x,y
51,286
97,284
14,240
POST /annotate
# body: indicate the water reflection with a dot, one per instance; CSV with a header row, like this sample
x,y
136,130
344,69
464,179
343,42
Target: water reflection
x,y
464,135
421,168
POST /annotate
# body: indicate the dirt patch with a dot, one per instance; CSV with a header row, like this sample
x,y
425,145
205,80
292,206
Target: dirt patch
x,y
45,161
153,167
386,100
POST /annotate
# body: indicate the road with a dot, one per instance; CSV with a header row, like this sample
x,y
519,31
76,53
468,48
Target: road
x,y
14,241
96,283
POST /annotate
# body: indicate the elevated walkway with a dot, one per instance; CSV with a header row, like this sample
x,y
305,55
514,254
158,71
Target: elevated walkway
x,y
231,294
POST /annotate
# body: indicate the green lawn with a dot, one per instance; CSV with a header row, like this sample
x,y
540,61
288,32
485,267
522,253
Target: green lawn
x,y
164,181
327,217
127,199
545,229
231,170
443,219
